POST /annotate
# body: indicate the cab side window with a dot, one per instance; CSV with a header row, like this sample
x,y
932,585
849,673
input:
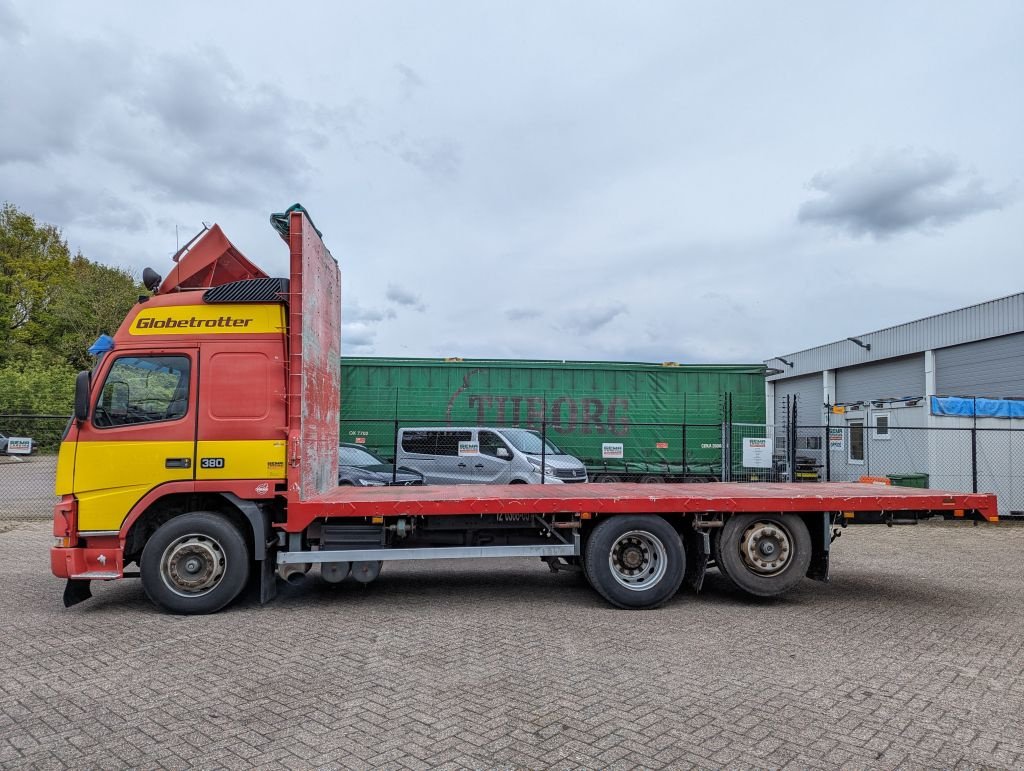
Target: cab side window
x,y
143,389
490,444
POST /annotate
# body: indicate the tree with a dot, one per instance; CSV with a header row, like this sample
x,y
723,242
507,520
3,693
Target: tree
x,y
94,302
34,267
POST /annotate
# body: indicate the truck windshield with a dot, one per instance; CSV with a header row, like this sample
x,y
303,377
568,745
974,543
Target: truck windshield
x,y
528,442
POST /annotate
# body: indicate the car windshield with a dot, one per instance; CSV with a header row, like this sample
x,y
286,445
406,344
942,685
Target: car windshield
x,y
528,442
357,456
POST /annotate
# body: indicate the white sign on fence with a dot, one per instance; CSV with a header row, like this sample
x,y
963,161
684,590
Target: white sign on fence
x,y
757,453
469,448
611,450
19,445
836,439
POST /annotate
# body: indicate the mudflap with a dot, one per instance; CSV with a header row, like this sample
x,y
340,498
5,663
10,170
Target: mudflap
x,y
820,528
698,552
76,590
267,578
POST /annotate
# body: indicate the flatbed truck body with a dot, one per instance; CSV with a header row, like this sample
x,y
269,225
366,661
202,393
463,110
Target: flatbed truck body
x,y
204,449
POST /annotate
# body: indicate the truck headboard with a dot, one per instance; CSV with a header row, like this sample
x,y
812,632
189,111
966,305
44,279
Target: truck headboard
x,y
314,360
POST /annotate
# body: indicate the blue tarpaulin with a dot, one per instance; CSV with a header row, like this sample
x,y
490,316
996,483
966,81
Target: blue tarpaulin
x,y
103,344
967,407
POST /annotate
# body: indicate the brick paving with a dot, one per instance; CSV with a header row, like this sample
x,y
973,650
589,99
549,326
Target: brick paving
x,y
911,657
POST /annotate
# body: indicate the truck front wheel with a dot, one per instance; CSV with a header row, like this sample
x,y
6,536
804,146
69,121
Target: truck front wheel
x,y
195,563
763,554
635,561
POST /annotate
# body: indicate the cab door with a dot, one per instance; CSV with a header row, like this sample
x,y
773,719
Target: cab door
x,y
494,464
141,433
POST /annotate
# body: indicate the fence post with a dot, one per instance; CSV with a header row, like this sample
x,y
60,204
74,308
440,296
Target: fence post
x,y
682,432
394,466
828,454
974,447
791,444
974,460
543,449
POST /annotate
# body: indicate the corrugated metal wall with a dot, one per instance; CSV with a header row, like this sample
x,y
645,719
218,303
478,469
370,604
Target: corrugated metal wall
x,y
1003,316
993,367
809,392
891,378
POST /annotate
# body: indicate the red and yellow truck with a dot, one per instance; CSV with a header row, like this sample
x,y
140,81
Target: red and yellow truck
x,y
204,451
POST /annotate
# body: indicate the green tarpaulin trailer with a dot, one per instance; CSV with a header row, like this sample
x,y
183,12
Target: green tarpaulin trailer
x,y
625,421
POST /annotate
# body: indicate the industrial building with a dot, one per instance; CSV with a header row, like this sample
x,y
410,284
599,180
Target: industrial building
x,y
877,400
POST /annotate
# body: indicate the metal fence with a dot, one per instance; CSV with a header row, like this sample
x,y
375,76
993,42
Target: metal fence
x,y
26,481
542,452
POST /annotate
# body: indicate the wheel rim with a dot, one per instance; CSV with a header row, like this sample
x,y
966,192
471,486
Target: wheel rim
x,y
638,560
767,548
193,565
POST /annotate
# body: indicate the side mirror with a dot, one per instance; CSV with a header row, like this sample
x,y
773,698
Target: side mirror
x,y
503,453
82,382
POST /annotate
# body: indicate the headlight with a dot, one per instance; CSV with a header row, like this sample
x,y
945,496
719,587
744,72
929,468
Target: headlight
x,y
370,483
548,470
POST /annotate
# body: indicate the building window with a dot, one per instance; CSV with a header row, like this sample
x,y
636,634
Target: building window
x,y
856,454
881,420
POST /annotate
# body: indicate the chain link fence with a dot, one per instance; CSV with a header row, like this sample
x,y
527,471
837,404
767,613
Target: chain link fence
x,y
538,451
26,478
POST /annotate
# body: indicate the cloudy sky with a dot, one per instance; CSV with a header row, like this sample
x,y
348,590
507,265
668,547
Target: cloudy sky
x,y
696,182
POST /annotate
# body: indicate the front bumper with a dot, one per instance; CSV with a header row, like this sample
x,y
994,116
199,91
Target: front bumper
x,y
87,563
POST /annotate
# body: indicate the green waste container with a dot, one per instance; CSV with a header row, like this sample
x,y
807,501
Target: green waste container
x,y
909,480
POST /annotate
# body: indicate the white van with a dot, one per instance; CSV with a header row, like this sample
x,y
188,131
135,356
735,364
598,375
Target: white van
x,y
484,455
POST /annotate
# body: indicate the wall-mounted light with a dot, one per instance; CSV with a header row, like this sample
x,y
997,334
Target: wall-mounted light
x,y
769,371
784,361
861,343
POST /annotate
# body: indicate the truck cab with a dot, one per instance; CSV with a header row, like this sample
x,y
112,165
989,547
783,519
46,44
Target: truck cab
x,y
186,412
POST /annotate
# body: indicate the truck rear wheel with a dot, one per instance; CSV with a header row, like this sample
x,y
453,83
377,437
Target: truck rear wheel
x,y
195,563
635,561
763,554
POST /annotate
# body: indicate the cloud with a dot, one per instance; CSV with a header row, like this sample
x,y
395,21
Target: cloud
x,y
438,159
357,336
356,313
410,82
12,28
897,192
183,126
405,298
590,320
522,314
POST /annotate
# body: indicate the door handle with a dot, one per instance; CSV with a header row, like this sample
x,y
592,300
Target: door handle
x,y
178,463
479,465
462,465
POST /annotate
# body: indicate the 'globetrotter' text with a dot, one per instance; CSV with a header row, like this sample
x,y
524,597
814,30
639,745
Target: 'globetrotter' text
x,y
191,322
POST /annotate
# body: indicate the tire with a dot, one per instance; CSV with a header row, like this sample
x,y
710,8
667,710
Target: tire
x,y
635,561
652,479
763,554
602,478
196,563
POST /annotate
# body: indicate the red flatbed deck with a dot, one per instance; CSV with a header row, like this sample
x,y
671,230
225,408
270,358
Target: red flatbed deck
x,y
625,498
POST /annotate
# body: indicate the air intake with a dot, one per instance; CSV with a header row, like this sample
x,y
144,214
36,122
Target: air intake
x,y
254,290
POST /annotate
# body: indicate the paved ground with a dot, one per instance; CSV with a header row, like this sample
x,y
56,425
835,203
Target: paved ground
x,y
912,657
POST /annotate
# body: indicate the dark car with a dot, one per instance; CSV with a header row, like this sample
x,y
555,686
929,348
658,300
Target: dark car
x,y
359,466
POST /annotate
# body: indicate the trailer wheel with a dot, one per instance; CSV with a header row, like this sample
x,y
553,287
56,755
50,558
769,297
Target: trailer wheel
x,y
195,563
652,479
763,554
607,478
635,561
